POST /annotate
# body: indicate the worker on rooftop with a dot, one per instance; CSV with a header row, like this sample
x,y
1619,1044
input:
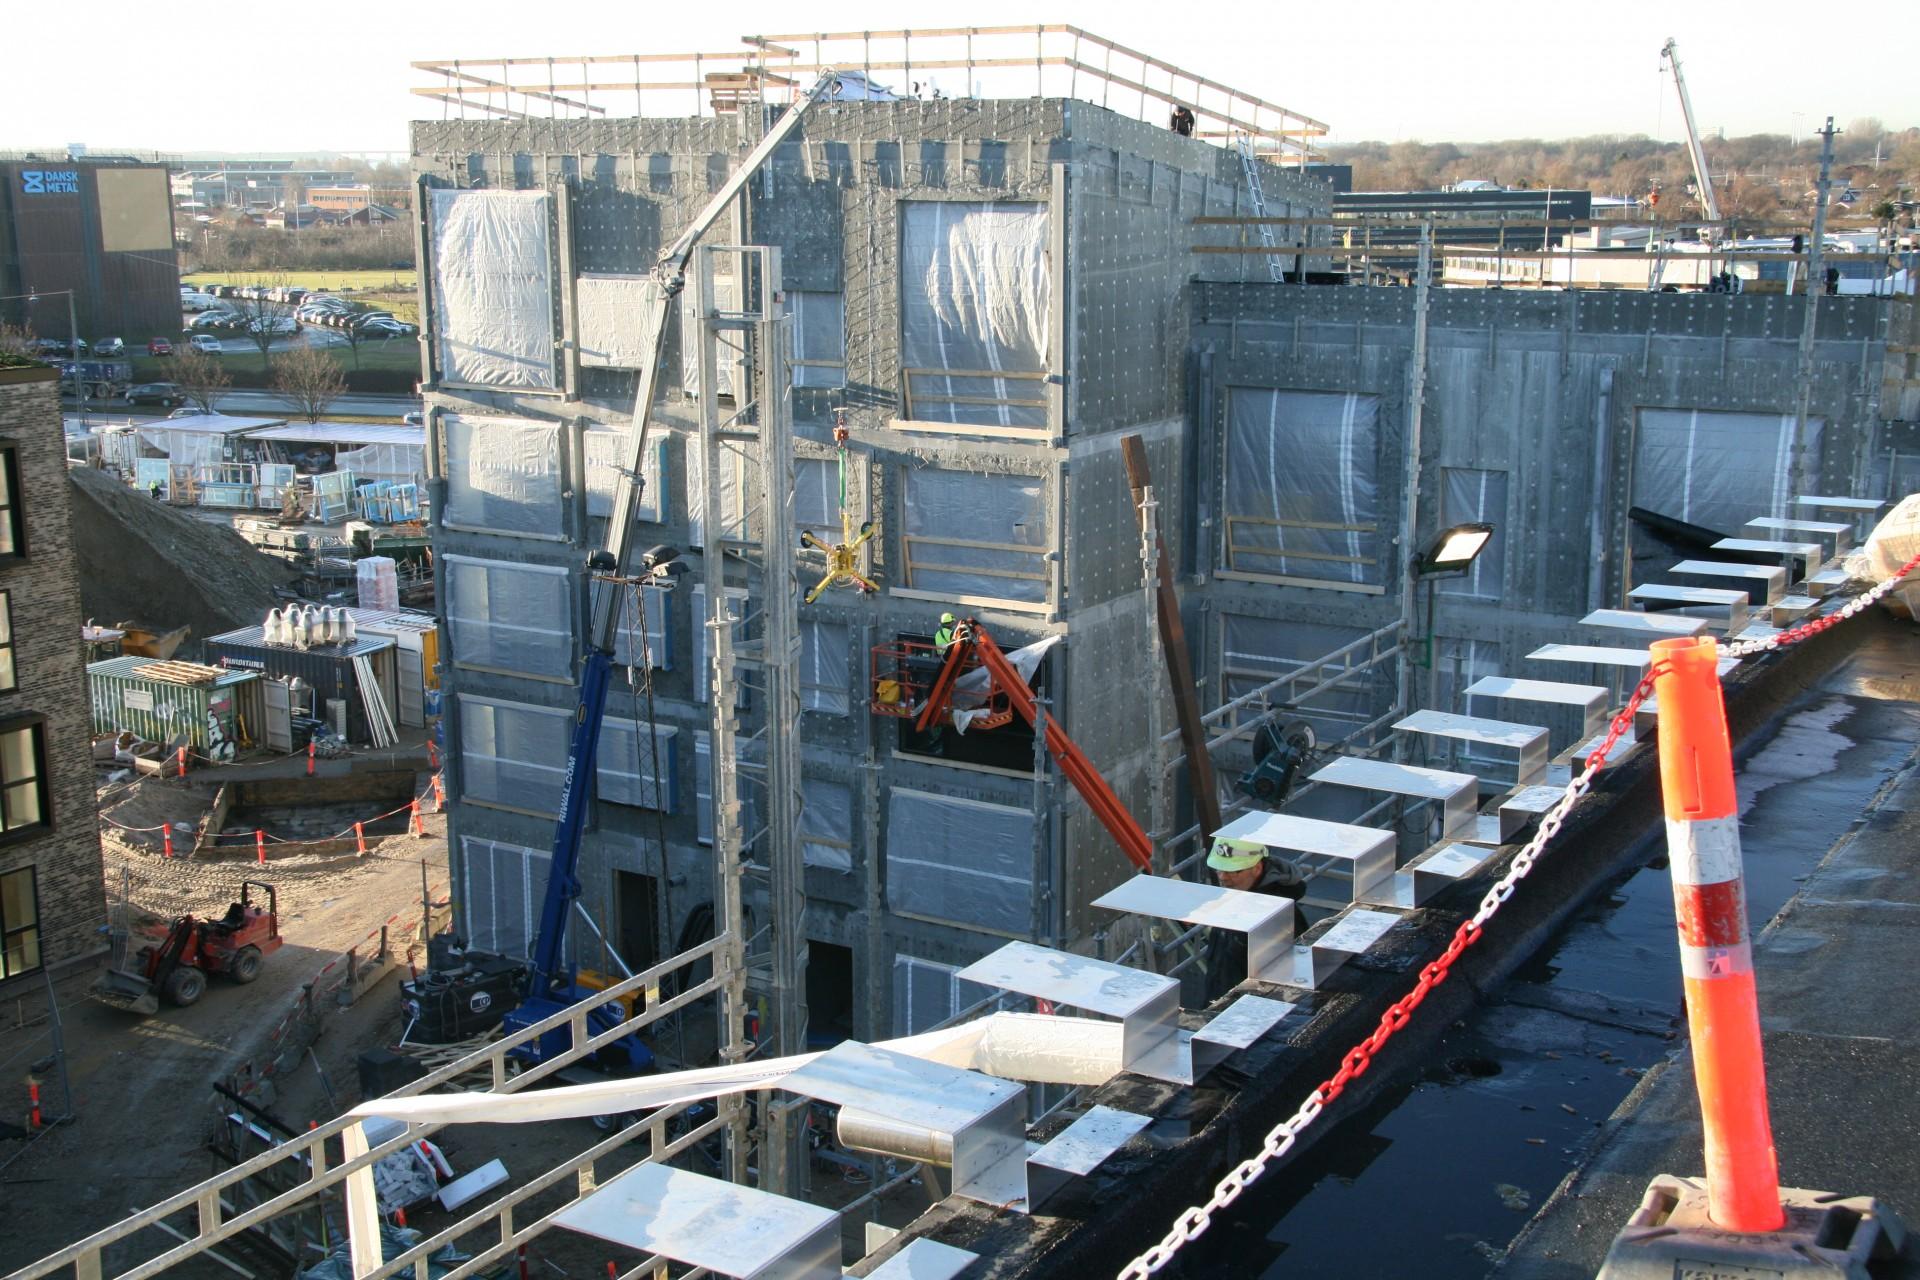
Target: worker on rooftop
x,y
1182,120
1243,865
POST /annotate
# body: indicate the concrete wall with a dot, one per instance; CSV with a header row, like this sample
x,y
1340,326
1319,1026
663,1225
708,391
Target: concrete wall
x,y
1120,195
43,595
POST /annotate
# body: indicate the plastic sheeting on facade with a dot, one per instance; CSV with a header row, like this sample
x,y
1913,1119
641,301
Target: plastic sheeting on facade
x,y
702,659
397,463
492,292
626,766
615,320
826,671
819,335
504,881
1258,650
503,475
926,993
960,860
1302,488
643,627
609,453
730,350
513,754
974,298
1467,496
976,534
816,497
734,465
190,448
509,617
1719,469
826,824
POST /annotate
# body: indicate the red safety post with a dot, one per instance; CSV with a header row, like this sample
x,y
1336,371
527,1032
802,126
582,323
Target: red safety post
x,y
419,823
166,841
260,846
33,1104
400,1217
360,836
439,795
433,754
182,757
310,749
613,1272
520,1256
1716,959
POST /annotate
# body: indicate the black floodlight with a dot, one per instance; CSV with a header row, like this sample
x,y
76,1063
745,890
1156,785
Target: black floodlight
x,y
1454,551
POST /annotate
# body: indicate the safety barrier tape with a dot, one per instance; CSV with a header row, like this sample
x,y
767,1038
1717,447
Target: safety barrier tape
x,y
274,839
1197,1218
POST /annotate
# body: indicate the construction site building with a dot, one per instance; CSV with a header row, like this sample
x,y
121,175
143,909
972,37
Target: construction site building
x,y
989,294
52,899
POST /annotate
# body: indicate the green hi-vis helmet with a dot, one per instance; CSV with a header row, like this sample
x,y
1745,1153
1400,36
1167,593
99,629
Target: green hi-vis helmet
x,y
1232,854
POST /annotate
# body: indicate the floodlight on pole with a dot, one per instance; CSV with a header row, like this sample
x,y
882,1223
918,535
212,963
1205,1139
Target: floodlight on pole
x,y
1454,551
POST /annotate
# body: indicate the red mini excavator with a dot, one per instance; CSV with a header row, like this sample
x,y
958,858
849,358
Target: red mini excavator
x,y
177,967
901,689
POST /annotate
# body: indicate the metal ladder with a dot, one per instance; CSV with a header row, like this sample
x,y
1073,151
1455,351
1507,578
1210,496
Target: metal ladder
x,y
1249,165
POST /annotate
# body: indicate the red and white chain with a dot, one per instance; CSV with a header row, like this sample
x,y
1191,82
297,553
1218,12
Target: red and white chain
x,y
1197,1218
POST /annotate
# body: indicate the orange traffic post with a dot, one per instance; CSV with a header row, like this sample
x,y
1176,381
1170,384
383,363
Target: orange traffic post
x,y
33,1104
419,823
260,846
439,795
310,749
182,757
1716,958
360,836
166,841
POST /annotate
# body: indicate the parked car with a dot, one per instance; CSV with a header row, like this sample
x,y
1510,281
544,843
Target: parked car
x,y
59,347
164,394
205,342
159,347
273,324
193,413
109,347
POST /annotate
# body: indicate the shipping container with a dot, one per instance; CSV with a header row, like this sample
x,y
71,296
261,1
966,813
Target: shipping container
x,y
416,636
211,718
327,669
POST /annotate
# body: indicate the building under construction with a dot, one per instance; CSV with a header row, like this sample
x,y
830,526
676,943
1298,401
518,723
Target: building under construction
x,y
1113,395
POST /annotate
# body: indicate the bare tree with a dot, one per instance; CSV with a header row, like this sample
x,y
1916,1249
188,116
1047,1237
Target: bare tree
x,y
201,377
310,380
16,344
264,318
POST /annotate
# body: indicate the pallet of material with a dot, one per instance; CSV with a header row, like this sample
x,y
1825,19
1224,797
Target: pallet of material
x,y
179,672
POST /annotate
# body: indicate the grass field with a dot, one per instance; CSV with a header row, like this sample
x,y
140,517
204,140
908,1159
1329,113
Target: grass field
x,y
331,280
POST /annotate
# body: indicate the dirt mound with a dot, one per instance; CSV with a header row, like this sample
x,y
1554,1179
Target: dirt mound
x,y
142,561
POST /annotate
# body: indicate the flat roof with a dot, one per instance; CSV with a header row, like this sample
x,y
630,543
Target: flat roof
x,y
346,433
209,424
128,668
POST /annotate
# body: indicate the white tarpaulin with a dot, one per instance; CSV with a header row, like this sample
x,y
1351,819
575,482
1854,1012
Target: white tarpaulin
x,y
819,337
608,454
513,754
616,315
970,534
509,617
825,673
1038,1048
729,352
735,527
968,861
826,824
1302,494
1893,542
1720,470
399,463
504,881
1470,496
626,764
974,290
503,474
971,689
492,287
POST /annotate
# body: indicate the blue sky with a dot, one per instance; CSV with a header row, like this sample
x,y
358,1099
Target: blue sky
x,y
301,77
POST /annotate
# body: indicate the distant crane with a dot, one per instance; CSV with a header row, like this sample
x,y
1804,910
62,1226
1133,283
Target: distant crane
x,y
1671,53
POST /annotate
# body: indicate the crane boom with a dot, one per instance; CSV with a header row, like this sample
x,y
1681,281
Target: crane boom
x,y
615,562
1697,153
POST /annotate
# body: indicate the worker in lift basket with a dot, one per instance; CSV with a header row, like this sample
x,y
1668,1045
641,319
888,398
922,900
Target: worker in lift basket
x,y
949,632
1243,865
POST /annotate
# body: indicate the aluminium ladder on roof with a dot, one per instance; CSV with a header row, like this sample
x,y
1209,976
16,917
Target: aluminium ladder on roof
x,y
1250,167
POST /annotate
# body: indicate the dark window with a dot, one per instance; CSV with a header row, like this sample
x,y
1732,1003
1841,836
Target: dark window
x,y
23,782
8,680
19,924
13,534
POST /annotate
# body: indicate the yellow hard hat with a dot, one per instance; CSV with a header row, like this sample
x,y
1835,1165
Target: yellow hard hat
x,y
946,617
1233,854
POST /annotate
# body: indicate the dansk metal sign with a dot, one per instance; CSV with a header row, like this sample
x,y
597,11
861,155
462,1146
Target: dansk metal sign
x,y
50,182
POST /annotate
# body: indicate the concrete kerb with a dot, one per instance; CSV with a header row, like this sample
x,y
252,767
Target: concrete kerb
x,y
1194,1140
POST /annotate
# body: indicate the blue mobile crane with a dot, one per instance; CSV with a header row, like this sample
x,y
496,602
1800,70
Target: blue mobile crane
x,y
552,984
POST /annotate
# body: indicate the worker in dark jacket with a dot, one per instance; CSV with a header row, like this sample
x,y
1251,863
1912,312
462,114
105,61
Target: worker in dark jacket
x,y
1243,865
1182,120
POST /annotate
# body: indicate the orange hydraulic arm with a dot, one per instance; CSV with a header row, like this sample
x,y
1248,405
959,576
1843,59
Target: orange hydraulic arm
x,y
1074,762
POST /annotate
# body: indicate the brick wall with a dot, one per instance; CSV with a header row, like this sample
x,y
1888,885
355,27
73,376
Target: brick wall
x,y
43,590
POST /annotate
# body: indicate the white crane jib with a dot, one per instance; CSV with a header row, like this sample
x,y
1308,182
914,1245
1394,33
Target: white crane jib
x,y
1695,151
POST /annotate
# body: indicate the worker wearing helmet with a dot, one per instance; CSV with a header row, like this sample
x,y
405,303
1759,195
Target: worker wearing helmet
x,y
1243,865
951,629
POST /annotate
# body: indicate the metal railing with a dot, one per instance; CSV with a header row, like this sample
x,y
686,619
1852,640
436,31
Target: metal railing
x,y
1043,60
85,1256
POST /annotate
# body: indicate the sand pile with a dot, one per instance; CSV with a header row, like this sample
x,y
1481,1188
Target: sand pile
x,y
142,561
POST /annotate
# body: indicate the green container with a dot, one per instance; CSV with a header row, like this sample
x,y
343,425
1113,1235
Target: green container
x,y
201,716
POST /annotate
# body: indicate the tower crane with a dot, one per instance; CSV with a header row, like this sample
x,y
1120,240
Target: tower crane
x,y
1670,52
